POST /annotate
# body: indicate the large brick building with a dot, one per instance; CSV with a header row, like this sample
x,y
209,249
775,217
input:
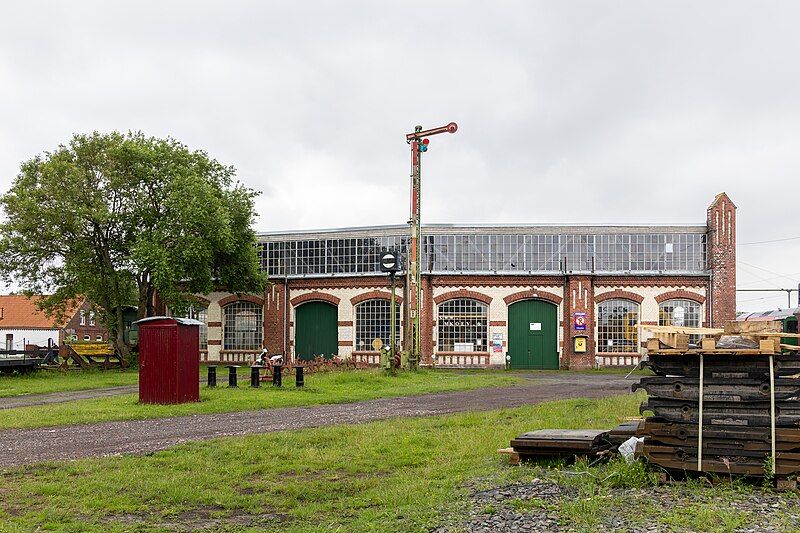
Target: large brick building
x,y
487,292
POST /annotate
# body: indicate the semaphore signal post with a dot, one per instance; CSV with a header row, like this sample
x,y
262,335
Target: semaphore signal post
x,y
419,143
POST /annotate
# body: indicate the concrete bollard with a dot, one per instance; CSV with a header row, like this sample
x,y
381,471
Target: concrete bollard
x,y
232,377
255,376
277,375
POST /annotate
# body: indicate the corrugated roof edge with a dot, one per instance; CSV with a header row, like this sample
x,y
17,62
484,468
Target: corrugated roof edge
x,y
550,228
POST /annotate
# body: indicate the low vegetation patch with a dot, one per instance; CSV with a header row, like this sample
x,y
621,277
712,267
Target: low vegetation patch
x,y
321,388
45,381
394,475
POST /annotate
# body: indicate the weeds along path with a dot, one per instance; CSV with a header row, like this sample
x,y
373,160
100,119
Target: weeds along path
x,y
141,436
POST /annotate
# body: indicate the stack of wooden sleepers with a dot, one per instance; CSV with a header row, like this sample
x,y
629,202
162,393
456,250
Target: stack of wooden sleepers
x,y
732,395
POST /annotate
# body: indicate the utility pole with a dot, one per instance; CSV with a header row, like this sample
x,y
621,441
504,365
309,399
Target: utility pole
x,y
787,291
419,143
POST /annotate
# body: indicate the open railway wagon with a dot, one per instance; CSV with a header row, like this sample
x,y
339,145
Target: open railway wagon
x,y
27,360
725,401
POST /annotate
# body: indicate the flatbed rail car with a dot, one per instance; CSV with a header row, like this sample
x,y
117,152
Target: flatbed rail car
x,y
27,360
786,320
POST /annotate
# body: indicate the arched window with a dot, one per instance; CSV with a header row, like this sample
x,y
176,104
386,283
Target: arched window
x,y
200,313
617,326
373,321
242,326
462,326
680,312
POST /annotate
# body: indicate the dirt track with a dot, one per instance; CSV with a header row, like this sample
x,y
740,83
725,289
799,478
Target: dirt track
x,y
25,446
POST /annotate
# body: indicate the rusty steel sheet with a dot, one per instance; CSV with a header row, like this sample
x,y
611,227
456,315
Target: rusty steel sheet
x,y
719,390
787,414
561,442
681,458
624,431
722,366
731,437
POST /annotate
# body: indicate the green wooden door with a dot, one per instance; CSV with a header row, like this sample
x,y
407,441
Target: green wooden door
x,y
316,331
533,334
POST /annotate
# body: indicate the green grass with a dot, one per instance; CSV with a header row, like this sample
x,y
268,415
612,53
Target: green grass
x,y
44,381
321,388
396,475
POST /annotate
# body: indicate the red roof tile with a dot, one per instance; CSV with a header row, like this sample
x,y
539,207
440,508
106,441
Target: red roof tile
x,y
20,312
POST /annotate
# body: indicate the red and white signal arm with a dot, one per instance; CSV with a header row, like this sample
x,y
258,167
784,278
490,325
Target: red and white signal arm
x,y
579,321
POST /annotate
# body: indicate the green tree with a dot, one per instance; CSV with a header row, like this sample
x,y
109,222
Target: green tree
x,y
117,218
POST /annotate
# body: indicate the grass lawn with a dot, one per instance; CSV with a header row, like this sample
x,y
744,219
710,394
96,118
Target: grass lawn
x,y
398,475
43,381
404,475
321,388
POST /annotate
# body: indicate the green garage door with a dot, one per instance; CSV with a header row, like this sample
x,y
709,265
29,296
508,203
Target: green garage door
x,y
316,331
532,334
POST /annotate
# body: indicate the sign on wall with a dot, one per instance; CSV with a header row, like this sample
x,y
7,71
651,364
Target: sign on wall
x,y
536,326
579,320
497,342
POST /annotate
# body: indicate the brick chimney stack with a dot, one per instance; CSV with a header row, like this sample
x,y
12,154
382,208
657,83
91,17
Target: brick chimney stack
x,y
721,249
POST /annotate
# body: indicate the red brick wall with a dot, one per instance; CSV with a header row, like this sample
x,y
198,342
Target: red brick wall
x,y
721,248
74,325
578,297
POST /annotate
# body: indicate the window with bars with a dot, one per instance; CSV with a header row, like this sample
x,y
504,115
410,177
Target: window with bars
x,y
373,321
617,330
200,313
462,326
242,326
680,312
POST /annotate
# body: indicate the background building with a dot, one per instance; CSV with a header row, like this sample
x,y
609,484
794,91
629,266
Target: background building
x,y
547,296
23,324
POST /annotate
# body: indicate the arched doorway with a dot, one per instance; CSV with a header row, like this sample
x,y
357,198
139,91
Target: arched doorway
x,y
316,331
533,334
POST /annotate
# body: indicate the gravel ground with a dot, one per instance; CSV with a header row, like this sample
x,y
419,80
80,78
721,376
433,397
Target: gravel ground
x,y
533,506
141,436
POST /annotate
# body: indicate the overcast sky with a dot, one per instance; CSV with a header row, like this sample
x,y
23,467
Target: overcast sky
x,y
574,112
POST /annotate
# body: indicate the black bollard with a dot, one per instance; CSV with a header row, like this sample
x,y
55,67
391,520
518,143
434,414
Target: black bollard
x,y
276,375
299,379
232,375
212,376
255,376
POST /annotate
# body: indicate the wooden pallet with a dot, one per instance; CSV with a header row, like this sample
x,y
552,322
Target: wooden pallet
x,y
513,457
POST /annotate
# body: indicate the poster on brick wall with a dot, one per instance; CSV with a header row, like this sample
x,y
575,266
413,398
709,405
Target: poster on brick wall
x,y
497,342
579,320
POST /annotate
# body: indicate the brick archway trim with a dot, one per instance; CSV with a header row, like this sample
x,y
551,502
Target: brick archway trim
x,y
619,294
533,295
241,298
200,299
375,295
314,296
681,294
463,293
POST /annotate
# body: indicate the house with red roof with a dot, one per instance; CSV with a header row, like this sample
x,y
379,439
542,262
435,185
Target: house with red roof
x,y
23,324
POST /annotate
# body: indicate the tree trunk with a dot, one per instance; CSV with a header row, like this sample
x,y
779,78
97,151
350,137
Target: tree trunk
x,y
117,337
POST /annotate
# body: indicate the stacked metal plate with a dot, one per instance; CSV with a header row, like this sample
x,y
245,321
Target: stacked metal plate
x,y
561,443
736,413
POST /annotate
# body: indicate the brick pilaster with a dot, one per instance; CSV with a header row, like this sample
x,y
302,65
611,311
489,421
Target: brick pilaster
x,y
578,297
275,302
721,249
426,321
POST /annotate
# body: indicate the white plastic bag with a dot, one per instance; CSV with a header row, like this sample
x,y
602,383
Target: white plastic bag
x,y
627,448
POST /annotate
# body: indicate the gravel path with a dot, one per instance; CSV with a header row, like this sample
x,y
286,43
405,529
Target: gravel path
x,y
25,446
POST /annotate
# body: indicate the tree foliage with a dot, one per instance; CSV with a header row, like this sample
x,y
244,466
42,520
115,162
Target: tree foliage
x,y
118,217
